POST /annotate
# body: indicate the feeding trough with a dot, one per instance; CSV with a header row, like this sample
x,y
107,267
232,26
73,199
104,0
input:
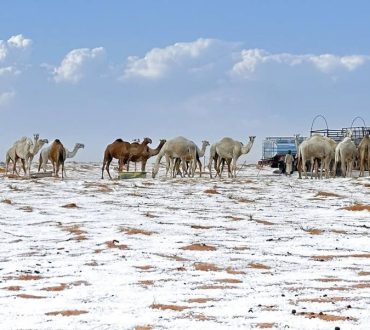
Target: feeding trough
x,y
131,175
41,175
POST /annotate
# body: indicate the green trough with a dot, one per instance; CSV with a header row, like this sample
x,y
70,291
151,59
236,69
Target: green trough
x,y
131,175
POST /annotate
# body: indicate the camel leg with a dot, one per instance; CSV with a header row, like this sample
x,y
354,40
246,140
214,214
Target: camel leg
x,y
200,168
107,168
102,169
210,167
218,167
143,164
62,170
343,168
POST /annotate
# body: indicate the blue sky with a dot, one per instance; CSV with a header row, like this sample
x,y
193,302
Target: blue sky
x,y
93,71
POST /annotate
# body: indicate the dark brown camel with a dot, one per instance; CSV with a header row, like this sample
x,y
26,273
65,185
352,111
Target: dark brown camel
x,y
136,151
145,155
119,149
57,156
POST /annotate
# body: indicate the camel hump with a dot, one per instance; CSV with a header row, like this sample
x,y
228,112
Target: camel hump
x,y
57,141
119,140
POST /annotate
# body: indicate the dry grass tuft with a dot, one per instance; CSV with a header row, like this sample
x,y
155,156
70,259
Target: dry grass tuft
x,y
70,206
7,201
256,265
113,245
67,313
362,273
143,327
201,300
28,277
145,267
233,218
59,287
26,208
357,207
312,231
168,307
201,227
364,285
146,282
327,317
12,288
241,248
136,231
29,296
211,192
199,247
232,271
216,287
265,222
327,194
149,215
331,257
265,325
206,267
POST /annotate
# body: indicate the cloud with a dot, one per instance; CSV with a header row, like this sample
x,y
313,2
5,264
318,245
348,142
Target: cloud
x,y
9,70
251,59
158,62
19,41
76,63
6,97
14,44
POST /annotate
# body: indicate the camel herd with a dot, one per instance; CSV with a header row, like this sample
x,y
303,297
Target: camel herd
x,y
178,152
325,151
25,150
182,156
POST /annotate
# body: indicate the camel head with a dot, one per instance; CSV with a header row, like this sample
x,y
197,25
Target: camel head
x,y
251,138
349,133
79,145
36,136
147,140
205,143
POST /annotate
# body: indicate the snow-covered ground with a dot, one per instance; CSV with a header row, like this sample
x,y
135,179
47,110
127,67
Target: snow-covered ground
x,y
259,251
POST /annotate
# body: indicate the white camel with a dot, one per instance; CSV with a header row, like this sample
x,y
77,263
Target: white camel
x,y
25,149
345,153
178,147
200,154
317,147
229,150
45,153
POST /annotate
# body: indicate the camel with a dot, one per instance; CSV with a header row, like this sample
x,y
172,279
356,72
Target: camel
x,y
118,149
316,147
121,150
146,154
230,150
44,155
136,152
213,157
57,156
345,153
364,153
178,147
25,149
200,154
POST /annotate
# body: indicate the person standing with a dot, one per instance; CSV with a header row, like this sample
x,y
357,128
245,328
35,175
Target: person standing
x,y
289,159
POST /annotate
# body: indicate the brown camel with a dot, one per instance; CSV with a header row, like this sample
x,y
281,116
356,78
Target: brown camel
x,y
119,149
146,154
364,154
136,151
57,156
